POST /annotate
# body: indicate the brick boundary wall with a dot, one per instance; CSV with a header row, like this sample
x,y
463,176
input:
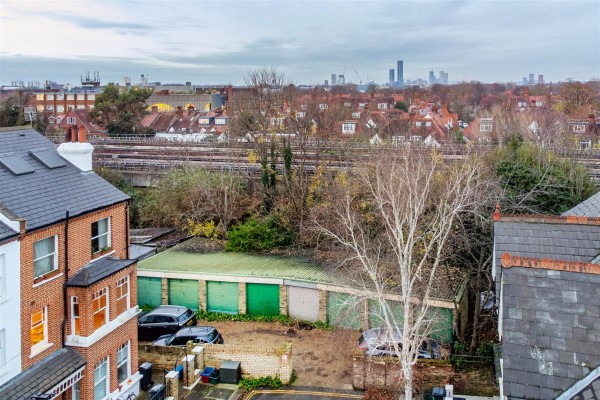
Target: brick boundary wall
x,y
255,361
384,372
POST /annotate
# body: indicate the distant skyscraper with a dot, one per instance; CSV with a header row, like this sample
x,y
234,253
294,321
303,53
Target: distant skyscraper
x,y
392,80
540,79
333,79
326,82
431,77
341,80
531,81
524,81
400,73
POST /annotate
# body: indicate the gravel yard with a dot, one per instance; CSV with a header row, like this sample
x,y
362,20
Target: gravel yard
x,y
320,358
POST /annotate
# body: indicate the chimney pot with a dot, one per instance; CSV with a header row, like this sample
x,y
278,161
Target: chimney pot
x,y
81,134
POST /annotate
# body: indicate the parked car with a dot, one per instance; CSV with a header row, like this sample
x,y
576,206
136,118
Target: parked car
x,y
164,320
197,334
377,342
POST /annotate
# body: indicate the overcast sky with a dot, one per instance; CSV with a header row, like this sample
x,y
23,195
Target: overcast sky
x,y
216,42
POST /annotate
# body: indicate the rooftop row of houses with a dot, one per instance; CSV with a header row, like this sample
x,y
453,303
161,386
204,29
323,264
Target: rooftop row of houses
x,y
68,289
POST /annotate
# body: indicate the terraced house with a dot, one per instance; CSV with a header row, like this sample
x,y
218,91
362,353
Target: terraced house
x,y
77,287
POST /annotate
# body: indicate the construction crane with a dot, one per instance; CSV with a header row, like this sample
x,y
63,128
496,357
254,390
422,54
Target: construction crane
x,y
358,76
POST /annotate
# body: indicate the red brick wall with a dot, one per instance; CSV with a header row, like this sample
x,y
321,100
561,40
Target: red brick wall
x,y
49,292
108,346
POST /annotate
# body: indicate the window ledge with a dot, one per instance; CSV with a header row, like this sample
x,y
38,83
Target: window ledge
x,y
87,341
47,280
130,385
100,255
40,349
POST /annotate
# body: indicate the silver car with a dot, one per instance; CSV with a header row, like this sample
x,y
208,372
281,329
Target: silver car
x,y
379,342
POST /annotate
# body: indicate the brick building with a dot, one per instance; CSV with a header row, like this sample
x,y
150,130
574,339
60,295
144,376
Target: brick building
x,y
78,288
63,101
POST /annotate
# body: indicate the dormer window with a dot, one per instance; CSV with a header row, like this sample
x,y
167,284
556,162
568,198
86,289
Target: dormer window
x,y
348,128
323,106
382,106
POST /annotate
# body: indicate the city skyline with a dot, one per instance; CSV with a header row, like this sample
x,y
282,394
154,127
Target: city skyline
x,y
488,41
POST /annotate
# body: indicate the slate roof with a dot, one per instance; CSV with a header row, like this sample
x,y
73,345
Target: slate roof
x,y
6,232
550,324
587,208
43,197
43,375
97,270
558,241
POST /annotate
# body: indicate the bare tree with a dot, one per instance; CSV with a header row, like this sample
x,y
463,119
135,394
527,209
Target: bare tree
x,y
393,217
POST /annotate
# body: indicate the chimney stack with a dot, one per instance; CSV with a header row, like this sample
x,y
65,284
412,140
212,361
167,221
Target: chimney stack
x,y
76,150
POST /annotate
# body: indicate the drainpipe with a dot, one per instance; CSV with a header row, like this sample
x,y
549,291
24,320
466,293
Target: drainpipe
x,y
127,231
65,299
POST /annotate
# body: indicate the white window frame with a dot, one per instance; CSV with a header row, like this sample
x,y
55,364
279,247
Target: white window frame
x,y
76,392
356,115
323,106
39,96
122,282
49,97
99,235
74,316
382,106
400,139
220,121
97,296
102,363
348,128
80,106
54,256
60,108
35,348
415,139
91,96
71,96
418,123
124,348
585,144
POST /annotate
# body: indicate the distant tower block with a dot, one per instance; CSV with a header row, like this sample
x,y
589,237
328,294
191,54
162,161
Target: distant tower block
x,y
341,80
400,73
540,79
392,80
531,81
333,76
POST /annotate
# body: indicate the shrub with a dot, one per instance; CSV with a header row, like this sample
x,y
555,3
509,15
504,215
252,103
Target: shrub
x,y
249,384
258,234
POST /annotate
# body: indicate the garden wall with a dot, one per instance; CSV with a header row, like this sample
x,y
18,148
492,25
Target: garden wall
x,y
384,373
255,361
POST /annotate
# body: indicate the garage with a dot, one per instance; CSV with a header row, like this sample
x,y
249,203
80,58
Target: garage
x,y
184,292
303,303
262,299
222,297
343,310
149,291
376,315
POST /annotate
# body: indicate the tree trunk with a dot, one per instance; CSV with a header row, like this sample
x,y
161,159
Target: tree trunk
x,y
408,383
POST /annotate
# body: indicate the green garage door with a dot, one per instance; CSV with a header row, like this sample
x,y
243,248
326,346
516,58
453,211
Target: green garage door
x,y
343,310
262,299
184,292
442,326
222,297
149,291
377,316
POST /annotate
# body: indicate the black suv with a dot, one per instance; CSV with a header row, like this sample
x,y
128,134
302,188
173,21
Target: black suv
x,y
197,334
164,320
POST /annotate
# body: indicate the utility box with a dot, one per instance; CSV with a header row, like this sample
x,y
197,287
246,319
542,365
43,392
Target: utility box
x,y
231,371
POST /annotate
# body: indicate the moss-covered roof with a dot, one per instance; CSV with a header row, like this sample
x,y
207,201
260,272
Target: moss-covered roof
x,y
179,259
192,257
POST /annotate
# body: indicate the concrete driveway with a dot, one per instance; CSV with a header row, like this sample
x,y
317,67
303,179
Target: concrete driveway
x,y
299,393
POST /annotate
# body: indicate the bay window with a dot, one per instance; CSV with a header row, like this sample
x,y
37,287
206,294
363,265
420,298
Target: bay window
x,y
100,308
